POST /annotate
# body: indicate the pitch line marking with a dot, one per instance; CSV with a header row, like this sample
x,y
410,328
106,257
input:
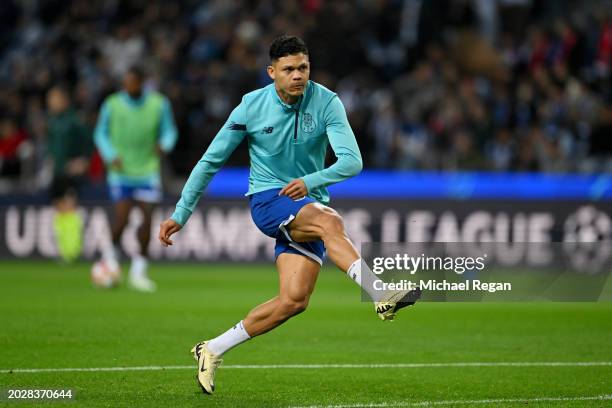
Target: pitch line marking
x,y
319,366
606,397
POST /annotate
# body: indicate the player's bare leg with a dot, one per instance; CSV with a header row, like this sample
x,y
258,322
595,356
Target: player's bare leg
x,y
297,278
121,214
317,221
138,269
144,231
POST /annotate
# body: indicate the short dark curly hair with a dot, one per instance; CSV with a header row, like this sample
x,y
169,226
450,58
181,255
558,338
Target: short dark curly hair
x,y
287,45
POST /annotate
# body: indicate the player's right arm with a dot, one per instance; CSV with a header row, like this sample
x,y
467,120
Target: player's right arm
x,y
222,146
102,137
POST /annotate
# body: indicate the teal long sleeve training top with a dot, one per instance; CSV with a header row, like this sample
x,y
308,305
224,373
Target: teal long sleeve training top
x,y
286,142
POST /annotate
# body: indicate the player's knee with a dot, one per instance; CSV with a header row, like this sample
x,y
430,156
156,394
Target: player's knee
x,y
292,307
331,224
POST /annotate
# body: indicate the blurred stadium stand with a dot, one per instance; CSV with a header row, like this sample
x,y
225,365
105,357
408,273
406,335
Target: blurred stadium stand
x,y
480,85
478,120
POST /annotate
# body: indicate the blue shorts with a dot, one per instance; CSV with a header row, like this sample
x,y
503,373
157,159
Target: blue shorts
x,y
146,192
273,213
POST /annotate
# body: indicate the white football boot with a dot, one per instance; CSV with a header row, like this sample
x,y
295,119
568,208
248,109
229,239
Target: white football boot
x,y
207,366
142,284
138,275
388,307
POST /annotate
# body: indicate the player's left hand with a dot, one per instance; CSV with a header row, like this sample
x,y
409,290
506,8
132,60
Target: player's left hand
x,y
166,229
295,190
77,167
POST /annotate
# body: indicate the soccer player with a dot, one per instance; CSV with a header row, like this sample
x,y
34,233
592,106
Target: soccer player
x,y
135,127
289,125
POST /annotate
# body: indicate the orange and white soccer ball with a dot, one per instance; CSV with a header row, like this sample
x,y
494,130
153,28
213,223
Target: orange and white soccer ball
x,y
104,275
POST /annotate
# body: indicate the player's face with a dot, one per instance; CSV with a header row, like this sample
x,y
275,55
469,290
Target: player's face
x,y
132,85
290,75
57,100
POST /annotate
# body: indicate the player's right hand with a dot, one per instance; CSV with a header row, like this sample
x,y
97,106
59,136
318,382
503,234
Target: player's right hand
x,y
158,150
116,164
166,229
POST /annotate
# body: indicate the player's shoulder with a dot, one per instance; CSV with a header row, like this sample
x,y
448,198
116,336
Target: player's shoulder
x,y
257,95
320,96
110,102
112,97
321,92
156,96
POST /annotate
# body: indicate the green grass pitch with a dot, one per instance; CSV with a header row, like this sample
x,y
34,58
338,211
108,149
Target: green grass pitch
x,y
51,317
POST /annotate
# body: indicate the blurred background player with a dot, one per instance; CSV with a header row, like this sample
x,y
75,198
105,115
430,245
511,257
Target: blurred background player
x,y
135,127
69,147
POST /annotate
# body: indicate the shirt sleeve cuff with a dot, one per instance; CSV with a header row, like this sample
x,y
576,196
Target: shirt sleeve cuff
x,y
310,182
180,216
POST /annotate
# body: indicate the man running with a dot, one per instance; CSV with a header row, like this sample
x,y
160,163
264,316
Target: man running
x,y
135,127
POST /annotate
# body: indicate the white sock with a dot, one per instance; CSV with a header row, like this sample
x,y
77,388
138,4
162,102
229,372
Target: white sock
x,y
138,269
228,340
365,278
110,255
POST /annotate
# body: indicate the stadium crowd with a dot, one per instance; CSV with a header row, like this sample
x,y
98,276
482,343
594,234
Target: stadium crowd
x,y
506,85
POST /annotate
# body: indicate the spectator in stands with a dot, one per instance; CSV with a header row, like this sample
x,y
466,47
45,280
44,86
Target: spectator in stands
x,y
12,144
69,147
69,141
511,65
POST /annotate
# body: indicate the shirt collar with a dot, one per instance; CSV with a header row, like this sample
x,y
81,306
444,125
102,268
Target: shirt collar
x,y
134,102
287,106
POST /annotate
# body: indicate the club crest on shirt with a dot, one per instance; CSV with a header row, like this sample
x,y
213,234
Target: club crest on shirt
x,y
308,123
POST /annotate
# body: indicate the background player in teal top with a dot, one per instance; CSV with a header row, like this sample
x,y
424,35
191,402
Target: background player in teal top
x,y
135,127
289,125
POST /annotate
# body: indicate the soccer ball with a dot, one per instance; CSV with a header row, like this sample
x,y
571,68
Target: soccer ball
x,y
104,275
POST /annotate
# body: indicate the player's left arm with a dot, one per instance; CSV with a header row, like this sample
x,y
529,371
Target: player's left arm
x,y
79,164
343,143
167,128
